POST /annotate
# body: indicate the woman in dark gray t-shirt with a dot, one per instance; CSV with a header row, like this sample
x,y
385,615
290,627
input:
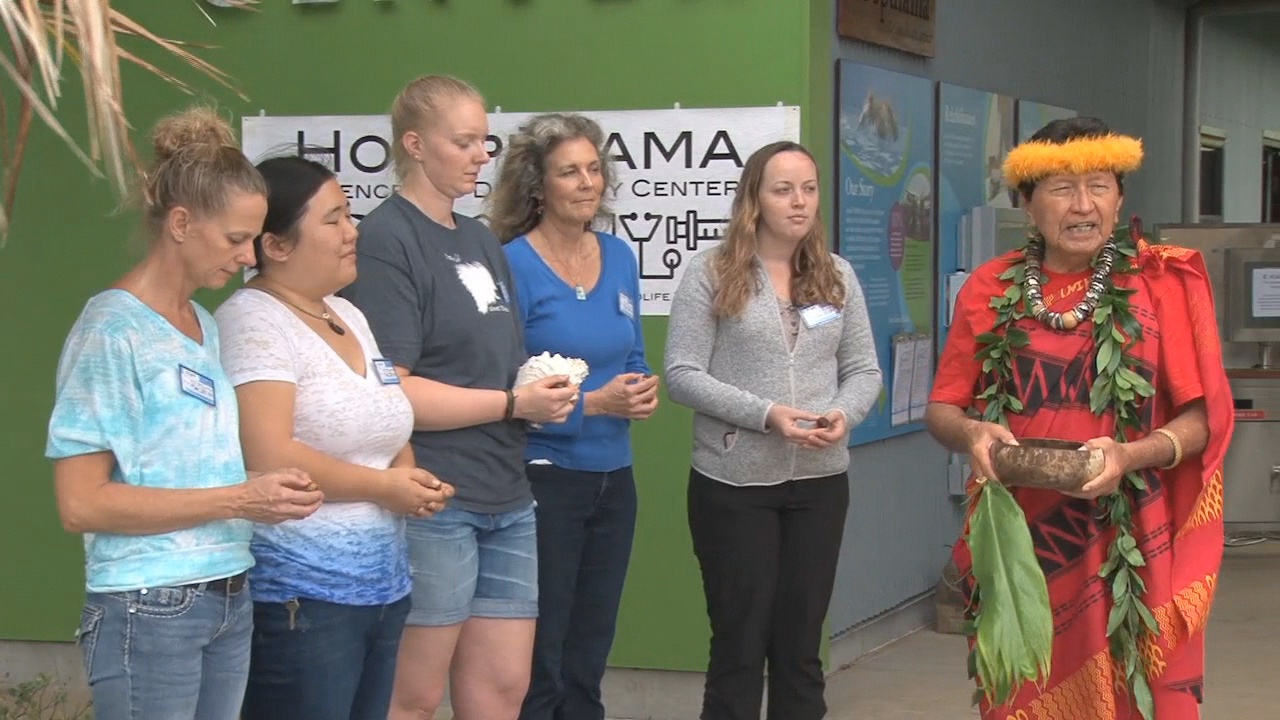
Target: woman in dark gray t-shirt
x,y
437,292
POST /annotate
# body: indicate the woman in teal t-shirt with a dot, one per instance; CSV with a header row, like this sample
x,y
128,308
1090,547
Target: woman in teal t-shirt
x,y
145,442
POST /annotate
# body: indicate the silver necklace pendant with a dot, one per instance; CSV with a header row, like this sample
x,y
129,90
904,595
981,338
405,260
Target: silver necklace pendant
x,y
579,292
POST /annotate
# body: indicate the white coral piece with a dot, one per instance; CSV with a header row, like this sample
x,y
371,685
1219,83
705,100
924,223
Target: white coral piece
x,y
547,365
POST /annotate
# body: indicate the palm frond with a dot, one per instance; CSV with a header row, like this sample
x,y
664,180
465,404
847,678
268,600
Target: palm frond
x,y
44,34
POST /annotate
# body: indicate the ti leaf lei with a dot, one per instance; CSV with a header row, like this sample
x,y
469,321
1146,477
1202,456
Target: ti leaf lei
x,y
1118,388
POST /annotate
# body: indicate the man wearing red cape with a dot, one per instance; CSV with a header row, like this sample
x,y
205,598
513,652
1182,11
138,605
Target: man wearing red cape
x,y
1070,176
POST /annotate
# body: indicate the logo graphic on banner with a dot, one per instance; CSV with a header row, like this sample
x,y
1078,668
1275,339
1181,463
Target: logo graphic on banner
x,y
675,172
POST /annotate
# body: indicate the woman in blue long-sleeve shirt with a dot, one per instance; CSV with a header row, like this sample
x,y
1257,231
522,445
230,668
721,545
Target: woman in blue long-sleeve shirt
x,y
578,295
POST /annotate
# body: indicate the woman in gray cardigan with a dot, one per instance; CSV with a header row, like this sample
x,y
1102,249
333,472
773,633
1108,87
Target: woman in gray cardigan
x,y
769,343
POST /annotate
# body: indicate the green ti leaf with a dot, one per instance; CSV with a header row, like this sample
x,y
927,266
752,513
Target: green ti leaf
x,y
1015,631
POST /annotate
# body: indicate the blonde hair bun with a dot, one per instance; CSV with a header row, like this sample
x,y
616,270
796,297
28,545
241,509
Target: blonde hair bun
x,y
193,127
197,164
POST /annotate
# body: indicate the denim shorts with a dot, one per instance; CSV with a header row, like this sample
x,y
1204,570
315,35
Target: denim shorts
x,y
467,564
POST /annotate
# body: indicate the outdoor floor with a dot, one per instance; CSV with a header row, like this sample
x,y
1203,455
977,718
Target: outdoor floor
x,y
923,675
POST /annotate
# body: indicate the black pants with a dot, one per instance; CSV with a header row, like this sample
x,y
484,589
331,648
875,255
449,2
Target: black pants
x,y
768,558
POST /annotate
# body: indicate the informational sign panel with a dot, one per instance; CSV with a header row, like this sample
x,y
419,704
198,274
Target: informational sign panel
x,y
676,172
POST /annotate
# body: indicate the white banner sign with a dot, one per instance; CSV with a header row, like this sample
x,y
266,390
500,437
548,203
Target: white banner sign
x,y
675,172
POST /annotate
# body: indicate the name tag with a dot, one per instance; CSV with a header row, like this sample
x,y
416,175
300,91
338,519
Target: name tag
x,y
196,385
816,315
626,305
386,371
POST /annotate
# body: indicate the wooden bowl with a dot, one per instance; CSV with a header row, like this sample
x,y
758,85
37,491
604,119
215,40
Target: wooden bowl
x,y
1045,463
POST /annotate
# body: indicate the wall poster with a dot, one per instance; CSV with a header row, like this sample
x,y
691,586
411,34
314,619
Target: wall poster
x,y
975,132
886,229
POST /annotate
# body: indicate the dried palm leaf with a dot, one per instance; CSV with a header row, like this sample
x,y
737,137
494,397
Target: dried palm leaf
x,y
42,34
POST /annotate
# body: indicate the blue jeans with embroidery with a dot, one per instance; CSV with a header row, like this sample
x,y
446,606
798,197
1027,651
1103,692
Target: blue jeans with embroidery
x,y
178,653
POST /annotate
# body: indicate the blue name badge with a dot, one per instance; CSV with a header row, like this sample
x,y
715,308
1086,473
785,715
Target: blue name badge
x,y
196,385
816,315
386,371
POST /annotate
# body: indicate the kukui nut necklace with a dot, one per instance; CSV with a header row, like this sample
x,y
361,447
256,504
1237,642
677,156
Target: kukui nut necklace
x,y
1084,309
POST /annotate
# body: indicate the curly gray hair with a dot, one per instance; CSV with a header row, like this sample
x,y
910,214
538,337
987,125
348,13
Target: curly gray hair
x,y
513,206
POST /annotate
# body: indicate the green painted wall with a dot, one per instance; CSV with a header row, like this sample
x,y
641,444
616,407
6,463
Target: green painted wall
x,y
350,58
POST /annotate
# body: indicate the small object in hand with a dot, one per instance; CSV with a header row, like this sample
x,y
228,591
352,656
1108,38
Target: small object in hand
x,y
312,487
822,423
546,365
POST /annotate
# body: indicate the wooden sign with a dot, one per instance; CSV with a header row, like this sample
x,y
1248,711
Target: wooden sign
x,y
906,25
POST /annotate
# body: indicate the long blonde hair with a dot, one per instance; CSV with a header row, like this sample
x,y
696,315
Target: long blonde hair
x,y
515,205
733,265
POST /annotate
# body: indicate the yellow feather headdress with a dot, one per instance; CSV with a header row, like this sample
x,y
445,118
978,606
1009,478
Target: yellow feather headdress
x,y
1035,160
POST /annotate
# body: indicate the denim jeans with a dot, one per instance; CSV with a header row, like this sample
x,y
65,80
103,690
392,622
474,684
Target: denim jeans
x,y
178,653
323,661
586,521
